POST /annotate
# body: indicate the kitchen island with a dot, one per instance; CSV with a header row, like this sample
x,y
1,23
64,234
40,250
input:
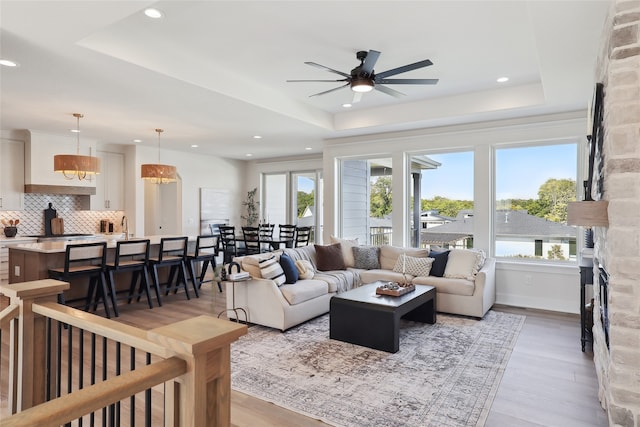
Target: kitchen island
x,y
32,261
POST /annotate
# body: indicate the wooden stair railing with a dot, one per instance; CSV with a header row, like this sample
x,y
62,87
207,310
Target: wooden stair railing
x,y
195,367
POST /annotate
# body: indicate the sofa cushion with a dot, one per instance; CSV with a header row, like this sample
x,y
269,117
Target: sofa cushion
x,y
290,271
270,269
346,245
413,266
439,262
366,257
389,255
305,269
329,257
304,290
370,276
444,285
464,263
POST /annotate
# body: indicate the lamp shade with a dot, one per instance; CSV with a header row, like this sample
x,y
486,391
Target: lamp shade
x,y
75,164
159,174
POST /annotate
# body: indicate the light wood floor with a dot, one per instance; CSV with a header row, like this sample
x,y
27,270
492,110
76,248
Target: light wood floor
x,y
548,381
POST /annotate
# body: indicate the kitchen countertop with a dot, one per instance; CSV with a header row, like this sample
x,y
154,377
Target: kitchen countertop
x,y
18,238
60,246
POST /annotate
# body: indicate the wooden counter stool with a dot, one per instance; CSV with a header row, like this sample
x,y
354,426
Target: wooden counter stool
x,y
86,260
173,254
131,256
206,251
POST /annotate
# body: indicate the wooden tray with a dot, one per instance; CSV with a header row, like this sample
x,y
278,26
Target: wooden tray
x,y
396,292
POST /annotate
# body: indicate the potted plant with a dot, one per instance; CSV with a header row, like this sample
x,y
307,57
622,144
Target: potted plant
x,y
251,206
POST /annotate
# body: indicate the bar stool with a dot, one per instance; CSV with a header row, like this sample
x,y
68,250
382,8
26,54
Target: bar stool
x,y
86,260
131,256
206,251
173,254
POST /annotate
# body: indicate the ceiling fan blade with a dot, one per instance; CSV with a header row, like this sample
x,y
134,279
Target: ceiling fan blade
x,y
357,96
332,81
370,61
404,69
406,81
313,64
389,91
329,91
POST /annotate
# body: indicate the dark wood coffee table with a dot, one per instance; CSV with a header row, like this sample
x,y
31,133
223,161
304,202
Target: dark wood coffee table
x,y
361,317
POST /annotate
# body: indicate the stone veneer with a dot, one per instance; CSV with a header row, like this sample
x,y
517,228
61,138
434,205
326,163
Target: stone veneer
x,y
73,209
617,248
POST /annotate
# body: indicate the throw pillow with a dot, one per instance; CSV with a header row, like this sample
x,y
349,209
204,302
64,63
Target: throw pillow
x,y
439,262
305,269
413,266
290,271
464,263
329,257
270,269
346,245
366,257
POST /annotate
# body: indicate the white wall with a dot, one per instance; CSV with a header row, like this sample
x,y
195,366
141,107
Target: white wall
x,y
196,171
536,285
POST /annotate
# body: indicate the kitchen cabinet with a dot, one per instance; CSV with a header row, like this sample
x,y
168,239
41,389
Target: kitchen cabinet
x,y
11,175
109,183
4,256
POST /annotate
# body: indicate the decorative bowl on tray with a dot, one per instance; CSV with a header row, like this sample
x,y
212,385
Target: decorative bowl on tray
x,y
395,289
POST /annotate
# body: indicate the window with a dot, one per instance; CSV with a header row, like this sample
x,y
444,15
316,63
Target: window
x,y
533,186
366,198
443,183
303,207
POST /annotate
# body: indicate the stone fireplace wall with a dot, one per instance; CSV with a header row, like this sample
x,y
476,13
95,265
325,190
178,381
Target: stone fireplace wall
x,y
617,247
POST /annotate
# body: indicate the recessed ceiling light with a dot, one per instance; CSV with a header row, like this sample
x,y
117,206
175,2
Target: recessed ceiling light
x,y
75,130
502,79
194,145
248,154
153,13
137,140
308,148
347,105
8,63
257,137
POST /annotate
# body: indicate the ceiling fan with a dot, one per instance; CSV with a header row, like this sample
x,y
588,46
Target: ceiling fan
x,y
363,79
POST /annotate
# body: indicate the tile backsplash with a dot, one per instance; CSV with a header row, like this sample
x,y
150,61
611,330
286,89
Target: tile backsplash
x,y
73,209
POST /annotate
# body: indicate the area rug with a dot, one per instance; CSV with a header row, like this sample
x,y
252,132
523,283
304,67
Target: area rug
x,y
445,374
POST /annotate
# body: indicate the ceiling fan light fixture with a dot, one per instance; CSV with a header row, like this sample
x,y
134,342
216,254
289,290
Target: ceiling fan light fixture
x,y
361,85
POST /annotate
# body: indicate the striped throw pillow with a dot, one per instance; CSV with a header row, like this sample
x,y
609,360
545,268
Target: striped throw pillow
x,y
270,269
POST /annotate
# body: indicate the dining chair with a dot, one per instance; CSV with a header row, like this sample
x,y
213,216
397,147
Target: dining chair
x,y
205,252
87,260
287,232
131,256
251,236
266,235
302,236
230,247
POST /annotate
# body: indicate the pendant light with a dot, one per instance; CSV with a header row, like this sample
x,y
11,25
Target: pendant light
x,y
159,173
74,165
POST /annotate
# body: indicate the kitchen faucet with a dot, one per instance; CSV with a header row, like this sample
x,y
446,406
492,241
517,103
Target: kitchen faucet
x,y
125,227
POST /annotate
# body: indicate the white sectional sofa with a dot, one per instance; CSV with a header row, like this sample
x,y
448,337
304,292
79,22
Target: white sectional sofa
x,y
469,291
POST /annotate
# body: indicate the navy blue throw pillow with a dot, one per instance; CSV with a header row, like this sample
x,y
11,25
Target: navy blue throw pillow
x,y
290,269
439,263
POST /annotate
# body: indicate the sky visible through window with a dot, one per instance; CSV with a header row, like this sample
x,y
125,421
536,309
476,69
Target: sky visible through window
x,y
521,173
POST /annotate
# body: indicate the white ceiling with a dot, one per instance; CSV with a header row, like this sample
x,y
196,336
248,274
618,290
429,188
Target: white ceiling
x,y
214,73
